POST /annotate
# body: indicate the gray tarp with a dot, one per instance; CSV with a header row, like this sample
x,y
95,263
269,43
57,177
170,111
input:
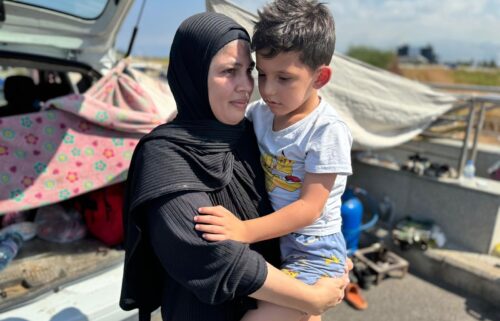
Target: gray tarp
x,y
382,109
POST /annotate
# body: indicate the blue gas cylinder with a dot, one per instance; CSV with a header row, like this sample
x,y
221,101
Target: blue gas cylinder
x,y
352,214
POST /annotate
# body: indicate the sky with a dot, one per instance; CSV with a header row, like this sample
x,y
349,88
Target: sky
x,y
457,29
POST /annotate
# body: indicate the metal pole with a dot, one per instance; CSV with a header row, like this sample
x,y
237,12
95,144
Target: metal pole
x,y
134,32
465,146
479,128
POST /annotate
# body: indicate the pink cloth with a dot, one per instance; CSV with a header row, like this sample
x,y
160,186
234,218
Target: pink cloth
x,y
78,144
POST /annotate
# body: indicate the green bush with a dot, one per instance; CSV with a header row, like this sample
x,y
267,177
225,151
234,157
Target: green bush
x,y
372,56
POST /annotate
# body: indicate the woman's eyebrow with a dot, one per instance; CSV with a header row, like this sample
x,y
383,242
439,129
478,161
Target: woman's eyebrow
x,y
239,64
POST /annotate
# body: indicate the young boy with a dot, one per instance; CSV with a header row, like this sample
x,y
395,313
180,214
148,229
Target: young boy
x,y
305,150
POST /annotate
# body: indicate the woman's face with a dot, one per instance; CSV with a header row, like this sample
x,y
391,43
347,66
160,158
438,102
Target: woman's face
x,y
230,83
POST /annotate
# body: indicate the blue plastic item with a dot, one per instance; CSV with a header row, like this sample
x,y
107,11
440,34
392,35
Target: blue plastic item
x,y
9,246
26,229
352,216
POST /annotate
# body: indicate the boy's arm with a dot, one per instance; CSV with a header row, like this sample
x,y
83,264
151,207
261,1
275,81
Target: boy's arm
x,y
301,213
220,224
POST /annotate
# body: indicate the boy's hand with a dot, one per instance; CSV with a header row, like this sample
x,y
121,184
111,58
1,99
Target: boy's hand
x,y
218,224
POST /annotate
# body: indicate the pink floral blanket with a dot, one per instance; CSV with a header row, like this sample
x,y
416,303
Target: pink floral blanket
x,y
79,143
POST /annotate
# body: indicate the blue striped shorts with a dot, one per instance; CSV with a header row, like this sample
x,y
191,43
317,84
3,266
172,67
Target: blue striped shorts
x,y
309,257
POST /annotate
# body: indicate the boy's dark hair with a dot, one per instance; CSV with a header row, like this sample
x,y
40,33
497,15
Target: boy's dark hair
x,y
306,26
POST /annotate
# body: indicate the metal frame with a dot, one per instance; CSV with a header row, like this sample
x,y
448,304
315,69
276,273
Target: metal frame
x,y
478,105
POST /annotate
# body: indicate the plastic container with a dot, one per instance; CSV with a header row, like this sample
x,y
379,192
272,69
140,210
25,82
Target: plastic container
x,y
26,229
9,246
469,169
352,214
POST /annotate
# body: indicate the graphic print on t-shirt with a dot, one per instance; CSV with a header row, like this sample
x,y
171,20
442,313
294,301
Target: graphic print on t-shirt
x,y
279,173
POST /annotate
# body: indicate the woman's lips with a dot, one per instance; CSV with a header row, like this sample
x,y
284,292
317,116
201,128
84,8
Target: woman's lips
x,y
241,103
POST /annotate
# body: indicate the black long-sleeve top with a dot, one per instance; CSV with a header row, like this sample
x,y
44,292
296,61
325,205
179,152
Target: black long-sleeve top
x,y
192,279
203,278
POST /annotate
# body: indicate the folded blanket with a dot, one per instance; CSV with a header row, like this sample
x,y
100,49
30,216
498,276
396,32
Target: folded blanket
x,y
79,143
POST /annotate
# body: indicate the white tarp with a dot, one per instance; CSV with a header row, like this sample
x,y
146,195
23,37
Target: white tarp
x,y
382,109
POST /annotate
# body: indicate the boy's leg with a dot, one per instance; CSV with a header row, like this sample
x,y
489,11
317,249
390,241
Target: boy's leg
x,y
268,311
306,258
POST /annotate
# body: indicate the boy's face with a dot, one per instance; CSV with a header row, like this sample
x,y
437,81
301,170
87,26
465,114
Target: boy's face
x,y
286,84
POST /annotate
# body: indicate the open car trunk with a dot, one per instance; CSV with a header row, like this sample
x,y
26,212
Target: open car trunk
x,y
67,96
68,127
42,267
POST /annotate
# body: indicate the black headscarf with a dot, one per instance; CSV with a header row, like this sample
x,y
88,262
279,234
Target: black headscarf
x,y
194,151
196,42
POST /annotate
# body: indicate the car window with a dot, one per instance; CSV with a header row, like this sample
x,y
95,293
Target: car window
x,y
6,72
86,9
24,90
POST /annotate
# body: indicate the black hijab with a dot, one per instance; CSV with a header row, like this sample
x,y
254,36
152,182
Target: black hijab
x,y
196,42
194,151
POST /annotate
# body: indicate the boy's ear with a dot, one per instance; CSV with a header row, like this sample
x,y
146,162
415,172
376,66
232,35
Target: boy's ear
x,y
323,75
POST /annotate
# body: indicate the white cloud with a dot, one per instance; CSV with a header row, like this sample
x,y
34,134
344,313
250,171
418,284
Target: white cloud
x,y
389,23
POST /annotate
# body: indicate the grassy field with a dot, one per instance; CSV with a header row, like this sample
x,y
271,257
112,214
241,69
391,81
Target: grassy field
x,y
444,75
483,78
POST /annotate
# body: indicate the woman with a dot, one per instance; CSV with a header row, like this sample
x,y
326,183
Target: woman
x,y
207,156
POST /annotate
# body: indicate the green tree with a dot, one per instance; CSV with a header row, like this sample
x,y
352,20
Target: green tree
x,y
372,56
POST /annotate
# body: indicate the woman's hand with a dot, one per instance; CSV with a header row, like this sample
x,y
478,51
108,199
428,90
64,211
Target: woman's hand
x,y
330,291
219,224
279,288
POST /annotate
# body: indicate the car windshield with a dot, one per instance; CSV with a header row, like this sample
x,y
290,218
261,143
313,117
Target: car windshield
x,y
86,9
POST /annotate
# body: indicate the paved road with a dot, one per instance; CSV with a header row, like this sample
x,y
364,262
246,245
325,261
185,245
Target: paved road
x,y
414,299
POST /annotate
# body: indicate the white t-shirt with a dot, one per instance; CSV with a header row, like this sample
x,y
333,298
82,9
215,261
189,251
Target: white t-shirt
x,y
319,143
